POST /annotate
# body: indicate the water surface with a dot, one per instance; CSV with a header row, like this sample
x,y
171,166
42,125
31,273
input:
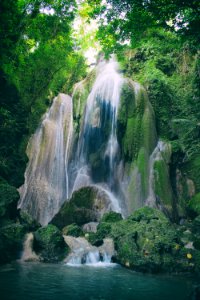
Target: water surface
x,y
36,281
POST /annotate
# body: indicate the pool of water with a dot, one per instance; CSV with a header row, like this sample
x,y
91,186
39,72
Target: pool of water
x,y
35,281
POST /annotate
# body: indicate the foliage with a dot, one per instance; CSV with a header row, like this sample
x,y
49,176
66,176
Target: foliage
x,y
48,241
73,230
147,242
11,241
128,20
8,200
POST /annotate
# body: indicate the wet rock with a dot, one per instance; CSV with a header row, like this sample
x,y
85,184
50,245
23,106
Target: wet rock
x,y
90,227
82,252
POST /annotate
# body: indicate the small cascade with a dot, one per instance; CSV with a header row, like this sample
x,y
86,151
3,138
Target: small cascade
x,y
83,253
46,176
28,253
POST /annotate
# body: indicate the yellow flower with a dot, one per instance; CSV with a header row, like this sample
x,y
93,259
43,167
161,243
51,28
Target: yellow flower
x,y
189,255
177,247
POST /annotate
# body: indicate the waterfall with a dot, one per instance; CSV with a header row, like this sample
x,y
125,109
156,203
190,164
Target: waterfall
x,y
46,176
98,137
63,160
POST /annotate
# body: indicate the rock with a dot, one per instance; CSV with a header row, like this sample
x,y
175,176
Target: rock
x,y
90,227
82,252
49,244
72,230
88,204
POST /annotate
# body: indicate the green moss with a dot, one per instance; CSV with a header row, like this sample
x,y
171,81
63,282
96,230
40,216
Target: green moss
x,y
84,197
49,243
78,210
162,184
111,217
148,130
11,241
27,221
73,230
131,140
192,167
194,204
146,241
143,165
147,214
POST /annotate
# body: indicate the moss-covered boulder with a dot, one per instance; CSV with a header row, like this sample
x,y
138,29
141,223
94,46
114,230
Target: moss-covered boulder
x,y
11,242
88,204
73,230
111,217
78,210
49,244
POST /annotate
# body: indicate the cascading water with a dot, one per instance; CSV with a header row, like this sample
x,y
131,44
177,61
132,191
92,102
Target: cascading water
x,y
83,253
98,137
46,176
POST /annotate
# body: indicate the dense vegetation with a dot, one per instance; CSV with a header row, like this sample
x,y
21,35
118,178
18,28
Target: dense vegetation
x,y
38,59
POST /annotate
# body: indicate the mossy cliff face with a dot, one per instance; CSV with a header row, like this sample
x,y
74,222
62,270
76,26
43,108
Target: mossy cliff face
x,y
146,178
137,137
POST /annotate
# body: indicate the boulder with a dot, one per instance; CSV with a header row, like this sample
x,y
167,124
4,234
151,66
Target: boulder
x,y
49,244
88,204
